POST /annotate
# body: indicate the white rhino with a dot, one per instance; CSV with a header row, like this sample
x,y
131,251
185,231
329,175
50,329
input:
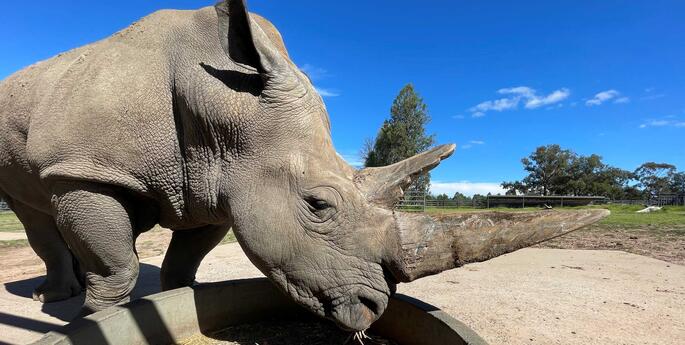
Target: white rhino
x,y
199,121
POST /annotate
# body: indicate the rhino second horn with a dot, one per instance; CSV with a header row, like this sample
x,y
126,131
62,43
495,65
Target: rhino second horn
x,y
430,244
385,185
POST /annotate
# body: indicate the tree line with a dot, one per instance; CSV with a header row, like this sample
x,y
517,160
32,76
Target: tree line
x,y
553,170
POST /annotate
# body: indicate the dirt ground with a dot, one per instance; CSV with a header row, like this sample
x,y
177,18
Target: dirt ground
x,y
532,296
20,262
666,244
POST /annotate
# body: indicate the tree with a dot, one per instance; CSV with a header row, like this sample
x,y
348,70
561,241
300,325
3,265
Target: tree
x,y
556,171
677,182
442,197
515,188
479,200
461,199
402,136
654,177
547,169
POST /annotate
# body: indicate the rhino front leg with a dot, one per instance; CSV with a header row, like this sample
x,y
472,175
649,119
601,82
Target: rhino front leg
x,y
60,282
186,251
95,222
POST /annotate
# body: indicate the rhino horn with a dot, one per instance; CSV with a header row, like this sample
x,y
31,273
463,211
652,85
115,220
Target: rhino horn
x,y
429,244
386,185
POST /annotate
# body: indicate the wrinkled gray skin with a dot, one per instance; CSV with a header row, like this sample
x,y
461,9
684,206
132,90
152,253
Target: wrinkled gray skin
x,y
198,121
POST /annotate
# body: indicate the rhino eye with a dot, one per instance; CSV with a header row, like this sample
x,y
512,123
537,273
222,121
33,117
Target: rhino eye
x,y
317,204
320,208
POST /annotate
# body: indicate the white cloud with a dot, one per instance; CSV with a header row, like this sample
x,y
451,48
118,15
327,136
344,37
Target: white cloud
x,y
663,123
652,97
352,159
471,144
327,92
466,187
606,96
497,105
516,95
519,90
314,72
554,97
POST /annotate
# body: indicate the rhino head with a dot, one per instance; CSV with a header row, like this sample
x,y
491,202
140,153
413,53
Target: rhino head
x,y
326,233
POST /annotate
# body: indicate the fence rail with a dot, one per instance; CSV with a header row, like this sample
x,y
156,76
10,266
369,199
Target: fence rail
x,y
413,201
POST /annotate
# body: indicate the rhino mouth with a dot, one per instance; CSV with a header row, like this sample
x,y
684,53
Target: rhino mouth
x,y
358,310
355,307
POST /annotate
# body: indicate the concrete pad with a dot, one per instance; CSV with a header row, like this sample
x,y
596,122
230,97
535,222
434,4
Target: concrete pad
x,y
543,296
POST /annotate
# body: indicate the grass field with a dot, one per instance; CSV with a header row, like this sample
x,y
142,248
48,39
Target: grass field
x,y
621,215
9,222
625,215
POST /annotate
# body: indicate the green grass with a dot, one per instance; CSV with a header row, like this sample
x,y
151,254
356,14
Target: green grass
x,y
229,238
9,222
13,244
671,218
626,216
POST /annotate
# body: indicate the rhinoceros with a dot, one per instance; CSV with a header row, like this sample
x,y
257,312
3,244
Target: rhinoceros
x,y
200,122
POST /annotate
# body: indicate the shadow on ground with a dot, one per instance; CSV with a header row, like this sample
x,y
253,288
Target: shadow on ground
x,y
67,310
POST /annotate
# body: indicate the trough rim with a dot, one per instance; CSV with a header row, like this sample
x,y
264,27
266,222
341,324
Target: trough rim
x,y
62,335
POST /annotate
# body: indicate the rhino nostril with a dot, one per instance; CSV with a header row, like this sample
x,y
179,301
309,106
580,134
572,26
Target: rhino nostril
x,y
390,280
370,304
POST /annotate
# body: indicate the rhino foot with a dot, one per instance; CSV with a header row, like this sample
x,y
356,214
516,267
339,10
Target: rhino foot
x,y
56,291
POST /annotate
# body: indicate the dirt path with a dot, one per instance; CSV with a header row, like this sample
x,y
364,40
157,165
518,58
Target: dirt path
x,y
20,262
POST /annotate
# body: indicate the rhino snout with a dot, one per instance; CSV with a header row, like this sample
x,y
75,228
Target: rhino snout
x,y
358,311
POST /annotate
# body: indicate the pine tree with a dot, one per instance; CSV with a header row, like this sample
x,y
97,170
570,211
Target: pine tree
x,y
403,135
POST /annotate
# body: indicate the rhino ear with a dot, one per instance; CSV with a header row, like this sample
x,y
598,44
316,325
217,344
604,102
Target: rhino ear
x,y
244,40
385,185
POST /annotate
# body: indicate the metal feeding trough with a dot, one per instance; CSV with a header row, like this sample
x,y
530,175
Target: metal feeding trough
x,y
171,316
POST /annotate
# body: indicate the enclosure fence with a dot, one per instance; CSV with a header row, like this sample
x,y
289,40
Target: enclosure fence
x,y
419,202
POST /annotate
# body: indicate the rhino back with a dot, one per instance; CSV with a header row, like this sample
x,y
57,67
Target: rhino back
x,y
105,112
102,112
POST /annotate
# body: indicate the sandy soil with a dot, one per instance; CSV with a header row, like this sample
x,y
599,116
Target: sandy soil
x,y
12,236
533,296
21,262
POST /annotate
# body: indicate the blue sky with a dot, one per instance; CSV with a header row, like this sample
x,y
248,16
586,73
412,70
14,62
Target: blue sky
x,y
499,77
